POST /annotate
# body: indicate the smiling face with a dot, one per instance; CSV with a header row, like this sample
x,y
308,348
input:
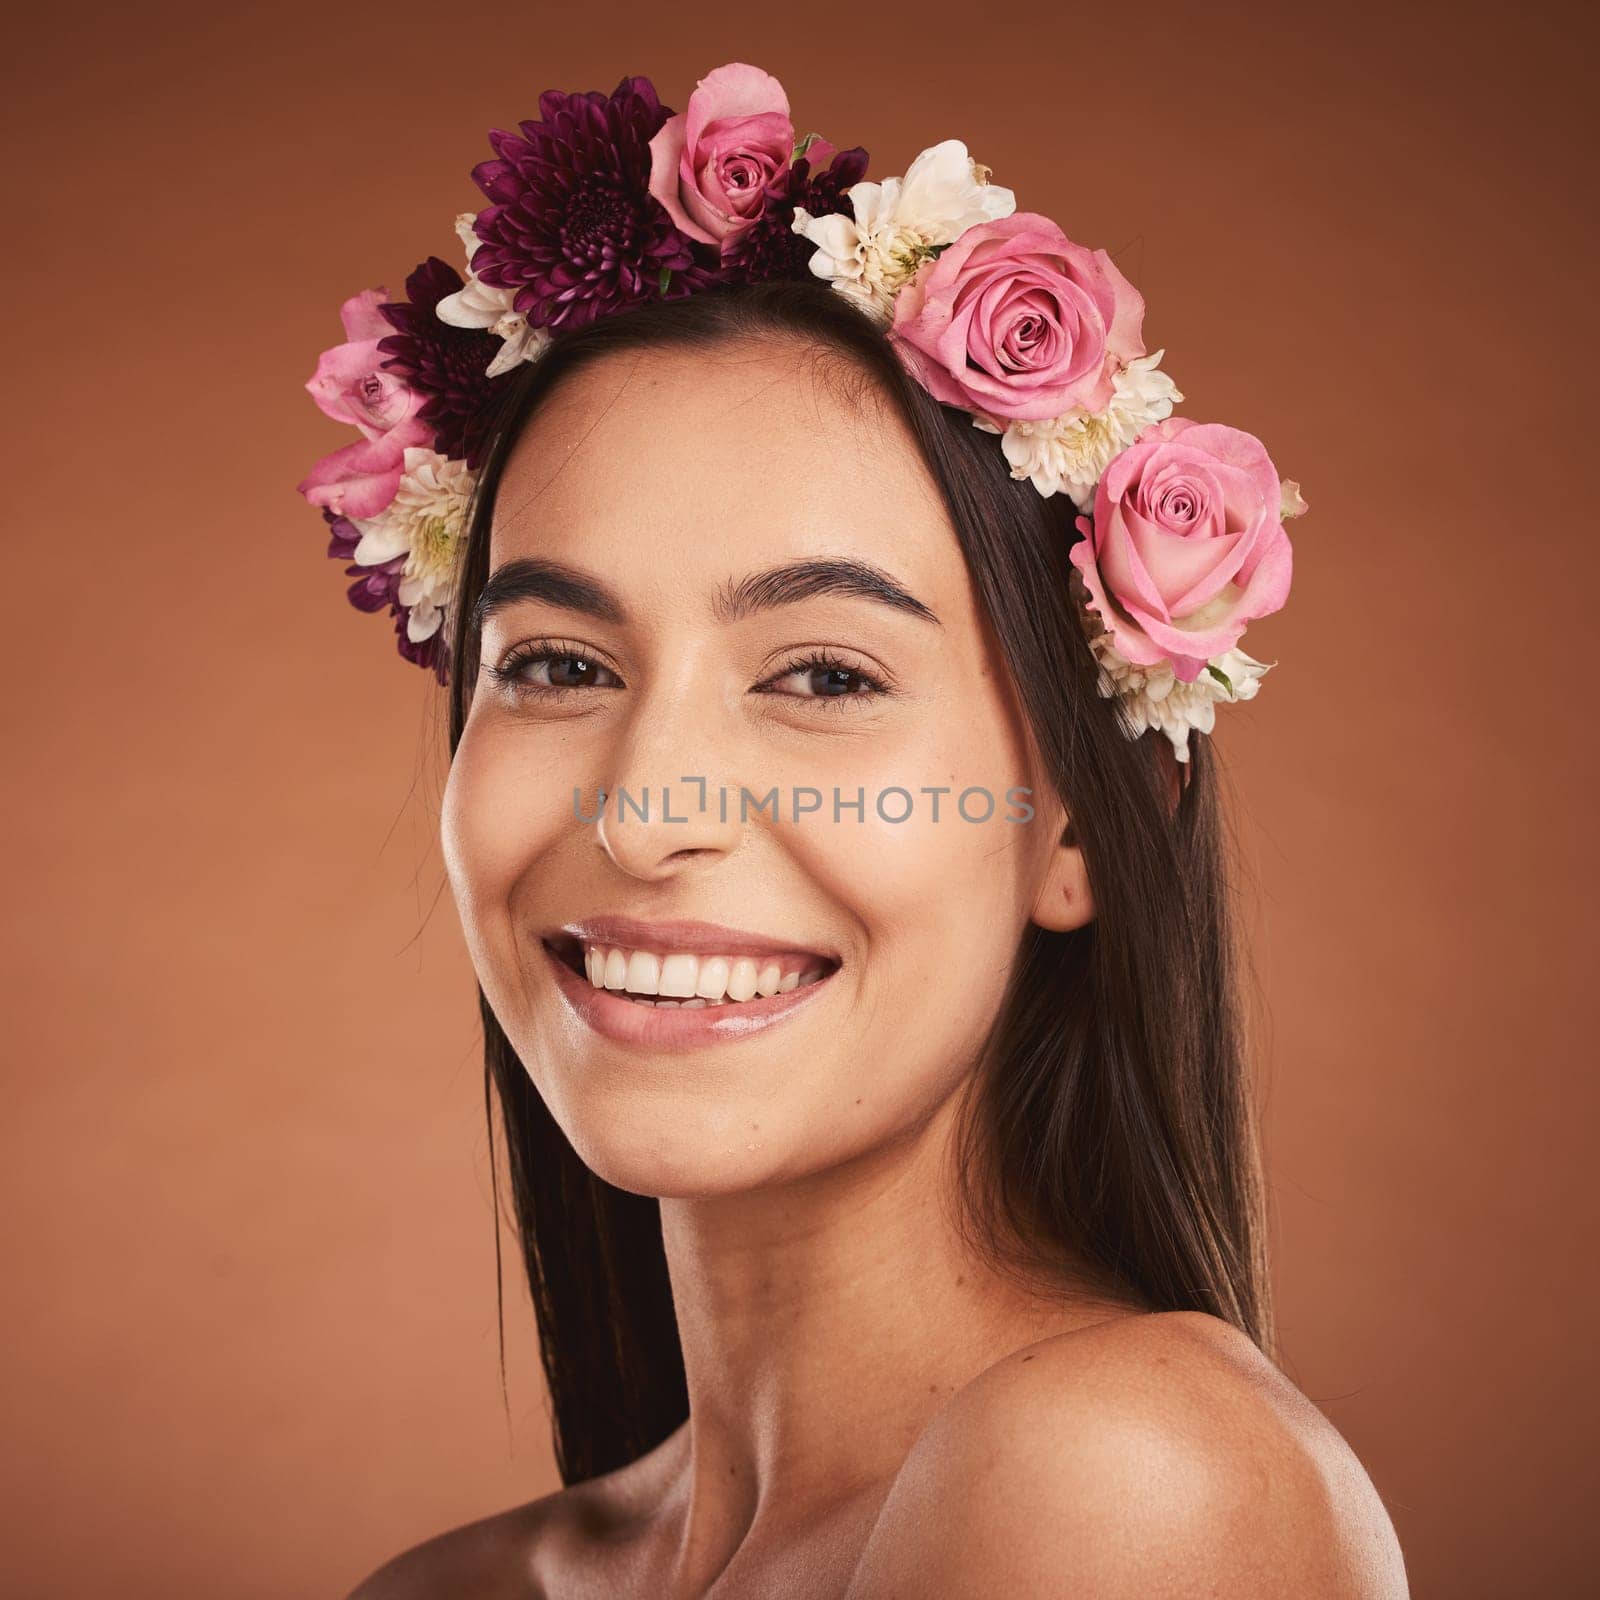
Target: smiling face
x,y
715,571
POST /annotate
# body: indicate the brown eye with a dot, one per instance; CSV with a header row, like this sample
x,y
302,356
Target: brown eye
x,y
573,672
822,678
827,682
539,669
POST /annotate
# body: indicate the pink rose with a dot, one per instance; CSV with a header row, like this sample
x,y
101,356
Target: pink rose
x,y
361,479
710,166
1015,320
1186,545
350,385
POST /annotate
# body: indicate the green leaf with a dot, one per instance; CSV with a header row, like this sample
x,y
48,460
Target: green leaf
x,y
1221,676
804,145
665,279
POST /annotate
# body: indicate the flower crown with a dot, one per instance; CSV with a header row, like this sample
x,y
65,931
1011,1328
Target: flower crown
x,y
606,202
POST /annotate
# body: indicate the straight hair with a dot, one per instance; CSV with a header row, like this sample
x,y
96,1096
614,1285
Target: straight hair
x,y
1109,1122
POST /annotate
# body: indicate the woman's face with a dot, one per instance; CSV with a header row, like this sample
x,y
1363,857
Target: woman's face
x,y
720,574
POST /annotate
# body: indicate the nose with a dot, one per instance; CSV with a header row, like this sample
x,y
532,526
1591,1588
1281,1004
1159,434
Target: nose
x,y
667,807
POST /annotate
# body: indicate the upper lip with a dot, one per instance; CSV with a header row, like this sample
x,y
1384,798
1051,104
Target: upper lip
x,y
693,938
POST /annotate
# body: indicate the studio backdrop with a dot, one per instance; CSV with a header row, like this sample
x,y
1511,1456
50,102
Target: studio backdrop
x,y
251,1342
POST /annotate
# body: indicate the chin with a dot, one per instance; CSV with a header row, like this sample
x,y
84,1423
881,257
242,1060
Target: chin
x,y
689,1149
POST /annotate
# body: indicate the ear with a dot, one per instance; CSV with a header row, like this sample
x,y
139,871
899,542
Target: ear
x,y
1065,899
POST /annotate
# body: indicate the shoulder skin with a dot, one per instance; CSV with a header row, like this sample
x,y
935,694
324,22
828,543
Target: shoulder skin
x,y
556,1545
1156,1455
490,1559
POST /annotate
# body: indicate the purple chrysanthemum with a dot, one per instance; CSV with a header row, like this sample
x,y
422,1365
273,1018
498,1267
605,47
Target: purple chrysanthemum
x,y
378,587
573,227
444,363
771,248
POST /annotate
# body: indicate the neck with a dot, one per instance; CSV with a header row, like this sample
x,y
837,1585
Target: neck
x,y
824,1323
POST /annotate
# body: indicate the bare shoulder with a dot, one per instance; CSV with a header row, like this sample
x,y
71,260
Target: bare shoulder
x,y
493,1558
1158,1454
572,1543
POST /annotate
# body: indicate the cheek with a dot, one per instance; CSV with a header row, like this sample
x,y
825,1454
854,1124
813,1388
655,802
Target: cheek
x,y
940,903
928,910
505,806
943,902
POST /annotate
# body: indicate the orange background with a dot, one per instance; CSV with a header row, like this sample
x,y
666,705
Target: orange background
x,y
250,1335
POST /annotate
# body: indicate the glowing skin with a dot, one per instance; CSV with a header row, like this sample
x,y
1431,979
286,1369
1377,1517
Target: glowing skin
x,y
803,1164
673,480
874,1409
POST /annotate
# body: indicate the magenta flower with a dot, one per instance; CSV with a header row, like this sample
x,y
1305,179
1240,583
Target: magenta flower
x,y
447,366
573,227
378,588
770,248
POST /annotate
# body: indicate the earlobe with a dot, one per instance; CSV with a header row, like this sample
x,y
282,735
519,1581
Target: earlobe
x,y
1065,899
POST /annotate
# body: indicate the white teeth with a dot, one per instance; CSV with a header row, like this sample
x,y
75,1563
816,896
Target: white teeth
x,y
691,982
678,975
644,973
713,982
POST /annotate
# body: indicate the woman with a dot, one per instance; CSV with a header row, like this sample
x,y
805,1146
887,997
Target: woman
x,y
833,826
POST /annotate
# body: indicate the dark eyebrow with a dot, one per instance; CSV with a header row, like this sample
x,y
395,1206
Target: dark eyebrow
x,y
558,585
801,580
550,582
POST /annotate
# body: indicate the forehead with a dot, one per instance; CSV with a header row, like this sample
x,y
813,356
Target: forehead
x,y
724,457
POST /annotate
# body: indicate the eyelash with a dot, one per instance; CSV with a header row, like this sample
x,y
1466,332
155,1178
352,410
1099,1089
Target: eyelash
x,y
824,660
508,673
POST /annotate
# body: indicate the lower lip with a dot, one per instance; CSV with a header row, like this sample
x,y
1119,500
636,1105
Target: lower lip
x,y
673,1028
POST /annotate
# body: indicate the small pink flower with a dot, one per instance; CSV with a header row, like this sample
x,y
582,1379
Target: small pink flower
x,y
1187,545
711,165
1015,320
361,479
350,385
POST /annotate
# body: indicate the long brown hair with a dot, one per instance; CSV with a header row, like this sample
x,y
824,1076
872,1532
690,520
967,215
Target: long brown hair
x,y
1112,1122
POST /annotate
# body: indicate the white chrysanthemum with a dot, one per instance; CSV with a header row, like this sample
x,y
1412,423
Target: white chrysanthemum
x,y
481,305
897,224
426,523
1067,454
1154,696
